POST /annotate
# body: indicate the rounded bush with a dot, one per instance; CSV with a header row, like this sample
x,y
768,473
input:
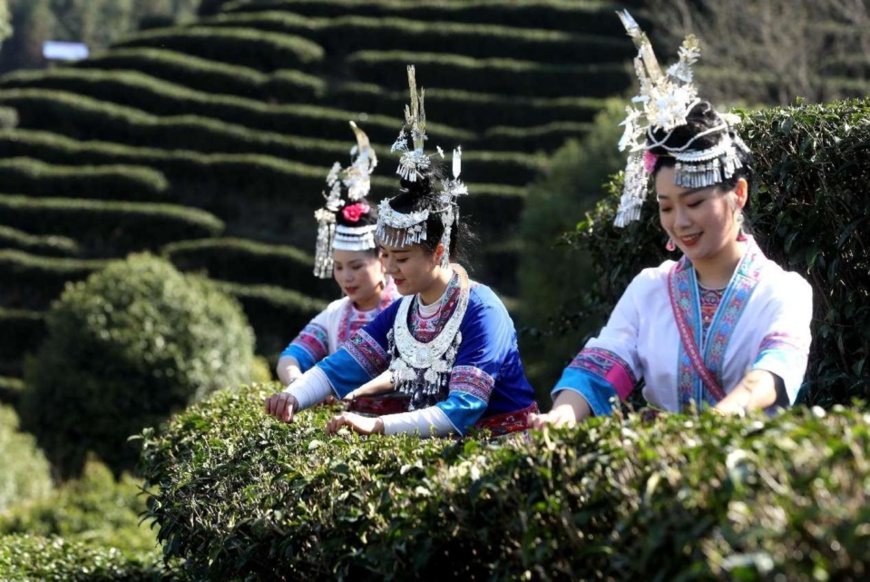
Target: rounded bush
x,y
124,349
25,473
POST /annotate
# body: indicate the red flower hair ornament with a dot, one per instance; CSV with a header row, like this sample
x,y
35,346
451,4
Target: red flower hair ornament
x,y
352,212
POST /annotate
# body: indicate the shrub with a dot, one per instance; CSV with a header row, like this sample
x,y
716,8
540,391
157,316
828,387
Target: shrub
x,y
475,111
590,17
8,118
807,205
108,227
202,74
554,277
50,245
27,557
341,35
237,494
10,390
508,76
94,508
125,349
25,472
115,182
277,314
250,262
38,280
248,47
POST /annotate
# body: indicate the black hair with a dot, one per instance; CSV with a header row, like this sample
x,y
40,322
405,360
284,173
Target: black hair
x,y
423,194
701,117
367,219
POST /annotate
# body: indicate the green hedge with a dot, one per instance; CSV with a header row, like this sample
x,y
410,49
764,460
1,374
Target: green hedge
x,y
341,35
36,280
148,94
85,118
21,331
8,118
94,508
276,314
250,262
107,228
124,350
210,76
578,16
247,47
547,137
474,111
258,196
25,475
50,245
54,559
115,182
507,76
240,495
810,210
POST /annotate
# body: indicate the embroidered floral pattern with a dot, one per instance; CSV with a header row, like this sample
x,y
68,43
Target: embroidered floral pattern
x,y
352,319
608,366
367,353
425,329
509,422
472,381
714,340
314,340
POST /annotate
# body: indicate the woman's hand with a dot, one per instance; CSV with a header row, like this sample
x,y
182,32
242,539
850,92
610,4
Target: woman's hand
x,y
282,405
356,422
568,408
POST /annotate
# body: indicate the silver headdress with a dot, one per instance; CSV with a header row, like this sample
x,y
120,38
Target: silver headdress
x,y
403,229
665,101
356,180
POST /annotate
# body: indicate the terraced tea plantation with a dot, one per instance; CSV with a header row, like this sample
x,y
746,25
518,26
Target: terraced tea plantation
x,y
209,143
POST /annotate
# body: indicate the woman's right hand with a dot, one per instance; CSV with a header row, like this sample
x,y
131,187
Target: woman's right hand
x,y
282,405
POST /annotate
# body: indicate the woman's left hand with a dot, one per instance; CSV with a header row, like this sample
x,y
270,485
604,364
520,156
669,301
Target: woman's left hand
x,y
356,422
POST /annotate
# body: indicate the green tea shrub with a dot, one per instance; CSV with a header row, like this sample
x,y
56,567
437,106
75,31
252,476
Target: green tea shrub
x,y
809,210
506,76
108,227
247,47
54,559
125,349
250,262
94,507
112,182
237,494
50,245
25,473
38,280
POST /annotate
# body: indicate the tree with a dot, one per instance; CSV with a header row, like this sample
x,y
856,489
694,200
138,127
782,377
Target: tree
x,y
770,51
555,276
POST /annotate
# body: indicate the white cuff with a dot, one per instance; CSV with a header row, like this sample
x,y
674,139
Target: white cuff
x,y
310,388
426,422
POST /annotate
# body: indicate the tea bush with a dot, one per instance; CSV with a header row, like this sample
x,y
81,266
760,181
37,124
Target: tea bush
x,y
95,508
54,559
809,210
25,472
237,494
124,349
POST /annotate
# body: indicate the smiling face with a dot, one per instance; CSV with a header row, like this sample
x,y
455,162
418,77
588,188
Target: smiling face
x,y
700,221
360,274
412,268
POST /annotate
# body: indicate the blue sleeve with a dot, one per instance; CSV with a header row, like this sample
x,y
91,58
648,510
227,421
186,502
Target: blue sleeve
x,y
362,357
598,392
303,357
487,337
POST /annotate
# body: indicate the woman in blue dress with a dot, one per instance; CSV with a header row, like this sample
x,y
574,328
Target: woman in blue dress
x,y
448,344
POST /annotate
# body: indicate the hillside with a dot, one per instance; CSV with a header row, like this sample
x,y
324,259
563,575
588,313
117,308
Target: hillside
x,y
209,142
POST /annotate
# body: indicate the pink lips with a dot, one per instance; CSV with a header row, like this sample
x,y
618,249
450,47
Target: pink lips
x,y
691,240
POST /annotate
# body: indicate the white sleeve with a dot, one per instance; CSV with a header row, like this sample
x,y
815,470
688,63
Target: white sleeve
x,y
425,422
311,388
